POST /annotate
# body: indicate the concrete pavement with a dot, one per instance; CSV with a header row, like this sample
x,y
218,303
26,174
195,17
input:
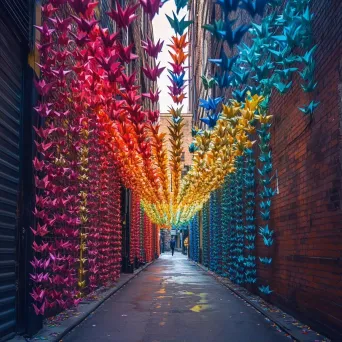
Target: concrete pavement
x,y
173,300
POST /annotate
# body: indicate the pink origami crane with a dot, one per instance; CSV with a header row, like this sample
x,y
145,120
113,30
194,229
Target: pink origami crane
x,y
45,31
153,96
43,88
154,73
85,25
125,53
151,7
61,24
152,49
85,7
123,17
107,38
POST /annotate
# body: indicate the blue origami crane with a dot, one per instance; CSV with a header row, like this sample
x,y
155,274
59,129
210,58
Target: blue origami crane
x,y
231,36
178,80
211,120
210,104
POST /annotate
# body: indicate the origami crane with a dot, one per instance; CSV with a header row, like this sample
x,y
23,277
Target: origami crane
x,y
228,5
240,95
210,104
45,31
224,62
254,7
174,90
153,96
39,311
107,38
180,4
215,29
233,36
179,43
152,49
208,83
178,99
81,38
179,26
125,53
211,120
224,80
61,24
265,260
123,17
153,73
265,289
85,7
309,109
151,7
48,10
177,80
85,25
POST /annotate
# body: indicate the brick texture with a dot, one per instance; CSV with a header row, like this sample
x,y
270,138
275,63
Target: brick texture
x,y
306,216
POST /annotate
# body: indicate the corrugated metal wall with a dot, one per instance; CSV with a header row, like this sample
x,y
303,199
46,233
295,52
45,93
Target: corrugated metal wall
x,y
14,28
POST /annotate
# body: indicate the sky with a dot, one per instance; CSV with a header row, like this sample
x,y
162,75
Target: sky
x,y
163,31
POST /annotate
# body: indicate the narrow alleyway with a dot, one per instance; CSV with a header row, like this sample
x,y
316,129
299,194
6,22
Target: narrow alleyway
x,y
174,300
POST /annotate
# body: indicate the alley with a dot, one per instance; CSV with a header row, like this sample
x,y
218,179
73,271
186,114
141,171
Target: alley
x,y
175,300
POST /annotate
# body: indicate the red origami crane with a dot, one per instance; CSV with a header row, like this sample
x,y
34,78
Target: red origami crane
x,y
123,17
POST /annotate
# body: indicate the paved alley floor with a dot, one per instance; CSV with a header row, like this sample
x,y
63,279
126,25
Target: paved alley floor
x,y
174,300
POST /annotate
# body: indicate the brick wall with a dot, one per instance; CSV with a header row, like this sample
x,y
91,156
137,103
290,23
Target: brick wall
x,y
306,273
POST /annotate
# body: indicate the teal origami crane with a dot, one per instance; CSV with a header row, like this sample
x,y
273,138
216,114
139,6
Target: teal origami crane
x,y
179,26
265,289
215,28
180,4
309,109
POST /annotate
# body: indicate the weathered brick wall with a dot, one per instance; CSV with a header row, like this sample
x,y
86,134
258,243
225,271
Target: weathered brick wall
x,y
306,273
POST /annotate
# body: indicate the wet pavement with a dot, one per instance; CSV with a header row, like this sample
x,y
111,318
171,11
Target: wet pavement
x,y
174,300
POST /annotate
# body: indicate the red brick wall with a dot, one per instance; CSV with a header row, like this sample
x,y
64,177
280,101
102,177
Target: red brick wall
x,y
306,274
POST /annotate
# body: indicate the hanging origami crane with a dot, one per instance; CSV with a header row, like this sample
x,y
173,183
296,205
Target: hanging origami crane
x,y
215,29
228,5
179,26
208,83
180,4
151,7
123,17
177,80
254,7
152,95
211,120
224,62
153,73
210,104
309,110
179,43
152,49
233,36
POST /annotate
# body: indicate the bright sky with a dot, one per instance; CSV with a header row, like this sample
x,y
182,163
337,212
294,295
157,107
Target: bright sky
x,y
163,31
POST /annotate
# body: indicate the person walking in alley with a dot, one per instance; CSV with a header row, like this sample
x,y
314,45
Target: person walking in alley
x,y
172,245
